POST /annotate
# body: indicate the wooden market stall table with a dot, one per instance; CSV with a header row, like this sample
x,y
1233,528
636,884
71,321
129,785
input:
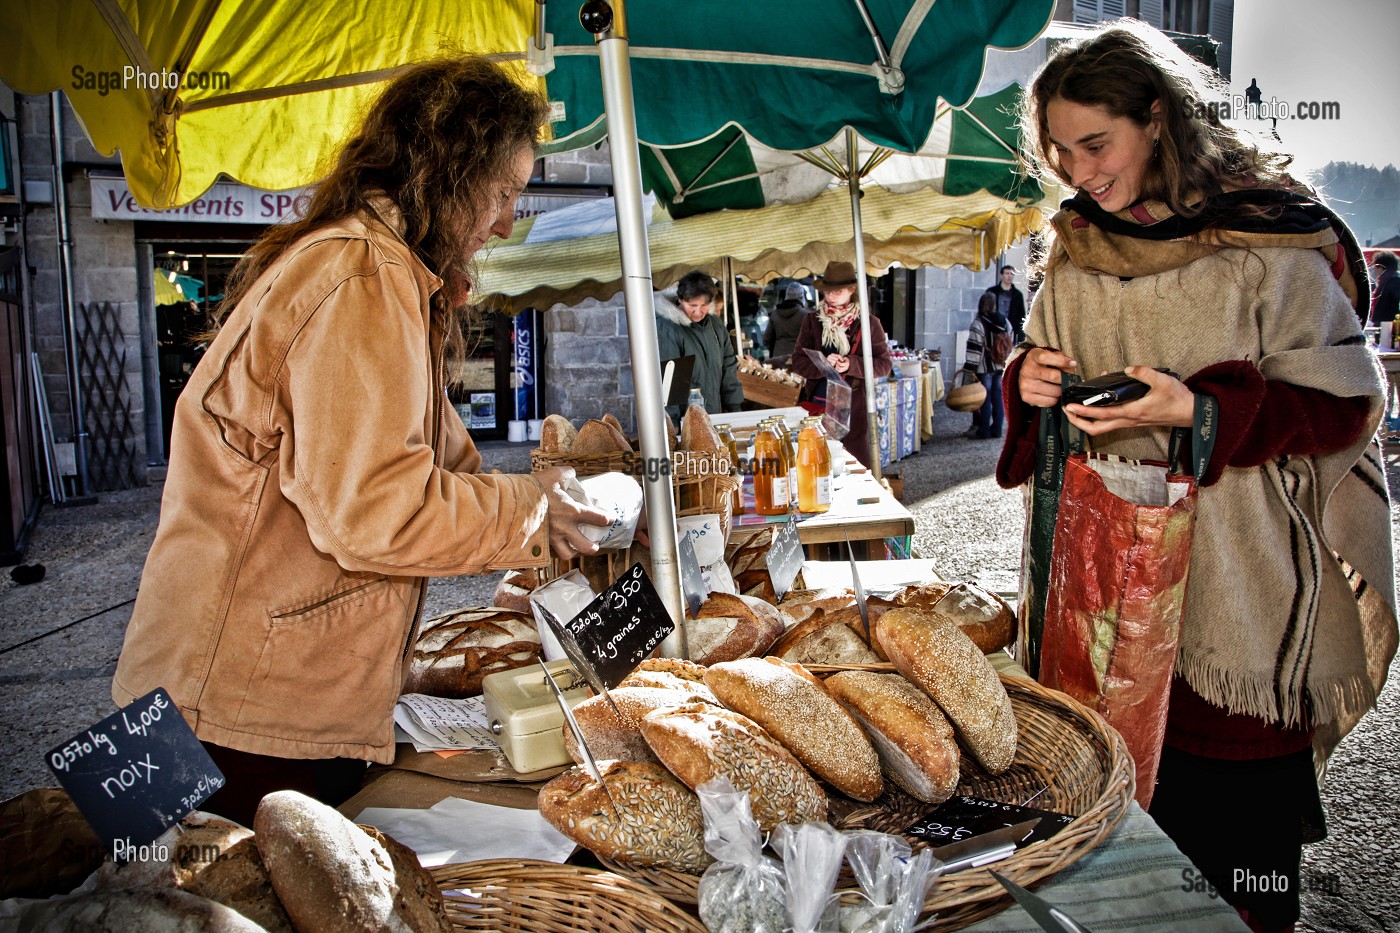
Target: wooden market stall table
x,y
865,523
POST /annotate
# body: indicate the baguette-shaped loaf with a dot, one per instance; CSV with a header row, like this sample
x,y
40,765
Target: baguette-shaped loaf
x,y
911,735
700,742
792,706
935,656
657,821
617,733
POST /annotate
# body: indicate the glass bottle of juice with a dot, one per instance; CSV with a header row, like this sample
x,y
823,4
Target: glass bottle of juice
x,y
813,468
727,437
769,464
790,449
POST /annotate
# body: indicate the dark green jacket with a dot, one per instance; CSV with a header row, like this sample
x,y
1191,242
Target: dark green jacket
x,y
716,372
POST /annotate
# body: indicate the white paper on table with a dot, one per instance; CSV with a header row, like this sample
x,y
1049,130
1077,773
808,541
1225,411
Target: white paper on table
x,y
876,576
456,830
438,723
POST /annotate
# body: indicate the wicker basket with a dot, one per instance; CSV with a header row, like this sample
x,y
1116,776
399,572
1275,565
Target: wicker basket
x,y
969,396
527,896
701,484
1065,752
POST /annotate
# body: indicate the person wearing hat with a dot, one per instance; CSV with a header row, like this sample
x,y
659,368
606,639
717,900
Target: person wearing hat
x,y
1386,303
834,332
783,324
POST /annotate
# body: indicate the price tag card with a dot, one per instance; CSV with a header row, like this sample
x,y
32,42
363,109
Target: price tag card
x,y
136,772
621,627
957,818
784,558
692,579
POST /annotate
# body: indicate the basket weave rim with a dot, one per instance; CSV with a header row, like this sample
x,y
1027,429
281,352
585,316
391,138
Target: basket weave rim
x,y
602,893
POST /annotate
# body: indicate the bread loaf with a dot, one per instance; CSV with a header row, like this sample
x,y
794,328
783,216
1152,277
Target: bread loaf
x,y
656,823
823,639
456,650
238,879
599,437
700,742
617,733
981,614
729,627
149,910
800,604
419,901
513,592
685,670
792,706
191,846
328,874
557,435
912,737
698,431
611,420
940,660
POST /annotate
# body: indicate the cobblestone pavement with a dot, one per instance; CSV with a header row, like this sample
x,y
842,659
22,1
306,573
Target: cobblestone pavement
x,y
59,641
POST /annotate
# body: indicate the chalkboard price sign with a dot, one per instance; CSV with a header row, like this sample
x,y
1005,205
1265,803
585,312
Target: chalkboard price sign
x,y
957,818
784,558
136,772
621,627
692,580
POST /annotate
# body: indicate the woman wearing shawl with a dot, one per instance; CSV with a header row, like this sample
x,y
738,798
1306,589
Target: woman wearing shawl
x,y
1190,249
834,332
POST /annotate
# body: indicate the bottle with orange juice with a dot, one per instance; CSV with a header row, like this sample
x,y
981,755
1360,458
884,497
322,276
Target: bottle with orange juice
x,y
770,472
813,468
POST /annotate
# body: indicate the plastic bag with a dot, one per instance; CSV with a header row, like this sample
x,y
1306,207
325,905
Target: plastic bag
x,y
812,854
743,891
893,881
836,419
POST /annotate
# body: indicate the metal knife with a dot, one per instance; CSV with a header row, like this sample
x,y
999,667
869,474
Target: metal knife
x,y
984,848
589,765
1051,919
861,606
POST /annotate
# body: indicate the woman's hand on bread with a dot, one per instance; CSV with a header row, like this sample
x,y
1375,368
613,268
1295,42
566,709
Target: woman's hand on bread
x,y
566,514
1040,379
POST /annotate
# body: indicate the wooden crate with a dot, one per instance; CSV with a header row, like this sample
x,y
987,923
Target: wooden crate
x,y
768,393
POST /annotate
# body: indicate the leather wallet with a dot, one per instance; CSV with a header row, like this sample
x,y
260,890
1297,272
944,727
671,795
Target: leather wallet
x,y
1108,389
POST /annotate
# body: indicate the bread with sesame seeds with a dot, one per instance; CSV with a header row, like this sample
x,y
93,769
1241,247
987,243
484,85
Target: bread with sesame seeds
x,y
651,820
934,655
911,735
793,707
700,742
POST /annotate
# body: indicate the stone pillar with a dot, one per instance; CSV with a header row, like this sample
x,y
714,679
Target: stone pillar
x,y
587,359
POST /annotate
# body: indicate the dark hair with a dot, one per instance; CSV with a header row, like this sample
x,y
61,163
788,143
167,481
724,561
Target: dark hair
x,y
1386,260
436,142
1004,268
696,284
987,304
1124,69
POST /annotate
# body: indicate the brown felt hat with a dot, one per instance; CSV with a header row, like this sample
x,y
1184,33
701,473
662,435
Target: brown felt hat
x,y
837,275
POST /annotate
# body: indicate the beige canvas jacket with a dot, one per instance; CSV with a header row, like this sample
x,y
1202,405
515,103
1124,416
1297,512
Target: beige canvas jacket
x,y
317,476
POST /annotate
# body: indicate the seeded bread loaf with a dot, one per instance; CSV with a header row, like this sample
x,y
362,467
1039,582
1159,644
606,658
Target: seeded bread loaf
x,y
792,706
657,821
700,742
730,627
456,650
911,735
685,670
935,656
617,733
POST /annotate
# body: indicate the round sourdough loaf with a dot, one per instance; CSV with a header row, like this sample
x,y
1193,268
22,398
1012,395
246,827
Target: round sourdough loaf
x,y
700,742
616,733
656,823
913,738
792,706
822,639
728,627
456,650
328,874
940,660
981,614
238,879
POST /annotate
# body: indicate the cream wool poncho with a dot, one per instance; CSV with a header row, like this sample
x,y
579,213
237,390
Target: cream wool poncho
x,y
1290,603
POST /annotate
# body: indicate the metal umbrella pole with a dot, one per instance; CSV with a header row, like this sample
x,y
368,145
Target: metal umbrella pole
x,y
727,270
610,32
872,425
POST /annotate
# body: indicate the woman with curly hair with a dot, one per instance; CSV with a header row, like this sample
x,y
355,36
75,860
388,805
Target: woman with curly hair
x,y
317,474
1188,248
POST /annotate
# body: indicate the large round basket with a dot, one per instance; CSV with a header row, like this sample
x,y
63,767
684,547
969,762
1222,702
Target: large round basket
x,y
969,396
1067,757
527,896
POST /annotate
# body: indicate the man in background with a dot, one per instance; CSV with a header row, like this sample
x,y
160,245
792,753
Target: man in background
x,y
1010,302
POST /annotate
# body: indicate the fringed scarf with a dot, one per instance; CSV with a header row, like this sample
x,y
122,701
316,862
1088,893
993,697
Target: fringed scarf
x,y
1311,643
835,323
